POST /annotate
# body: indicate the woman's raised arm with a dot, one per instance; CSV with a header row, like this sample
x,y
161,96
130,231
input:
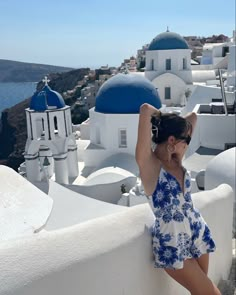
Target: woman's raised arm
x,y
149,165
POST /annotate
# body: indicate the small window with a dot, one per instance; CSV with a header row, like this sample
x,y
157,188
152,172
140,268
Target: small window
x,y
43,129
122,138
152,64
225,50
184,64
55,123
167,93
168,64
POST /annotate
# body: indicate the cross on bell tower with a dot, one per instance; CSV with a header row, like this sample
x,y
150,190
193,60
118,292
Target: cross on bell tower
x,y
46,80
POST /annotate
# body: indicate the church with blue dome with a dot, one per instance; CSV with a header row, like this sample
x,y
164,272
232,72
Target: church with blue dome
x,y
168,41
50,140
125,93
46,99
113,122
168,67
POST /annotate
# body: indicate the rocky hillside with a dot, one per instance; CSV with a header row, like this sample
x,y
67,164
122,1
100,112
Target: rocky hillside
x,y
15,71
13,131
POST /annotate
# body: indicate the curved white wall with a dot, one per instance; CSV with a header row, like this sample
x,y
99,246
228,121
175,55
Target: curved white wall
x,y
109,255
221,169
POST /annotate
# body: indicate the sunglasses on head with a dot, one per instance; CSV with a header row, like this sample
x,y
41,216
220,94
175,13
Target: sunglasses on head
x,y
187,139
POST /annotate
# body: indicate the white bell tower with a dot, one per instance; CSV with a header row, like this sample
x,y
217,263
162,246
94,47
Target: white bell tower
x,y
51,146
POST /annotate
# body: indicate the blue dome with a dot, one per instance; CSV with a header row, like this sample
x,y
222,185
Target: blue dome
x,y
168,40
46,99
125,93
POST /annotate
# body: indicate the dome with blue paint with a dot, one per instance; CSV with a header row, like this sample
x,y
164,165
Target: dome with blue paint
x,y
125,93
167,41
46,99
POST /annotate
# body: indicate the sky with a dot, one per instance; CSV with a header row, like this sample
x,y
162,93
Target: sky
x,y
93,33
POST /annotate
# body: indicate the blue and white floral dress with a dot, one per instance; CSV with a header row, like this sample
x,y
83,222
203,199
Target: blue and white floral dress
x,y
179,232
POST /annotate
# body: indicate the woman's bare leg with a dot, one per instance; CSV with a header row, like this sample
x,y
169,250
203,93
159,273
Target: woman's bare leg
x,y
203,262
193,278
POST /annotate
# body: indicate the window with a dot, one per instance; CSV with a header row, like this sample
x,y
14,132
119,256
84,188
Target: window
x,y
152,64
225,50
168,64
55,123
184,64
122,138
167,93
43,129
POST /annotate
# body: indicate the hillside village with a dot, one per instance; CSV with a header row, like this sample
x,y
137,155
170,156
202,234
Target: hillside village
x,y
79,89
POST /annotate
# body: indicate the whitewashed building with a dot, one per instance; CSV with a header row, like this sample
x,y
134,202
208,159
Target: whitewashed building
x,y
168,67
114,119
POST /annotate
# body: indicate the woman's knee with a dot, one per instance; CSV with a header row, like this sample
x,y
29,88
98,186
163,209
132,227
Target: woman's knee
x,y
193,278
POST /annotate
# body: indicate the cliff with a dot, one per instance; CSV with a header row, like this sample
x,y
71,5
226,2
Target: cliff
x,y
13,132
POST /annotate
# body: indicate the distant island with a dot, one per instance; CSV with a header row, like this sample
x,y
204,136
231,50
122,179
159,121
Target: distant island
x,y
16,71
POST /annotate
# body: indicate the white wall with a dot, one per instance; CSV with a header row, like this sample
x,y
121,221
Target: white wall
x,y
216,130
71,208
216,206
24,209
109,125
203,95
110,192
221,169
178,87
109,255
84,130
231,75
176,56
105,127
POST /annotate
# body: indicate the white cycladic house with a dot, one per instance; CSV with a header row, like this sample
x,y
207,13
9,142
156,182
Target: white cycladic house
x,y
168,67
114,119
51,146
215,54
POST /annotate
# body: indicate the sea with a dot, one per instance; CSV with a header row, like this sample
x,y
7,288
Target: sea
x,y
12,93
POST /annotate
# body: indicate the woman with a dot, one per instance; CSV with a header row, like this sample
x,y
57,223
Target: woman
x,y
181,238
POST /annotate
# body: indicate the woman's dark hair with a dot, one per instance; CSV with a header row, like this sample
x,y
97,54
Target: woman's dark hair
x,y
168,124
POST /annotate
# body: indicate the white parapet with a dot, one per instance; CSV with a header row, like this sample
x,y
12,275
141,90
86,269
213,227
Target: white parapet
x,y
110,254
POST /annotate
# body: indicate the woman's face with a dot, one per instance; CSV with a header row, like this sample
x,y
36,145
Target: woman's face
x,y
182,143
